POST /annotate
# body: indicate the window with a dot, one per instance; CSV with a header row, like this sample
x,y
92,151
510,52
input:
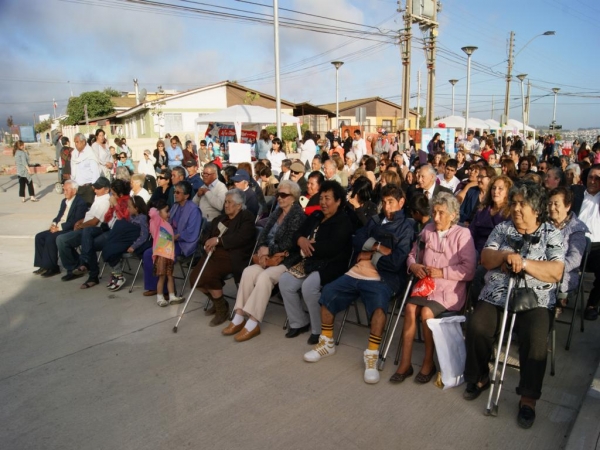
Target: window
x,y
387,124
173,122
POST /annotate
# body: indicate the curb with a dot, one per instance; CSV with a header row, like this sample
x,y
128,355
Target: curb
x,y
585,433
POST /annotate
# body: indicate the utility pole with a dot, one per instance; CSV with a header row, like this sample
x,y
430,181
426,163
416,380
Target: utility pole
x,y
430,49
527,102
508,78
405,52
418,99
277,83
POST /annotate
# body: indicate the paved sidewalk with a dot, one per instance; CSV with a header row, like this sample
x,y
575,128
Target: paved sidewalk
x,y
100,370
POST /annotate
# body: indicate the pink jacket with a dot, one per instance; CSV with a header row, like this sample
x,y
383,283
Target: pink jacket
x,y
455,255
162,236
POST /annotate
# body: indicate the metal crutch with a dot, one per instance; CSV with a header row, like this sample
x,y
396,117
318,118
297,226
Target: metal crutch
x,y
391,335
492,409
222,229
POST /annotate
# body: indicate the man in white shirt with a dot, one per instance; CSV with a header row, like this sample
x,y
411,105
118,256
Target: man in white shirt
x,y
529,145
471,144
359,146
67,243
85,168
448,178
590,215
210,198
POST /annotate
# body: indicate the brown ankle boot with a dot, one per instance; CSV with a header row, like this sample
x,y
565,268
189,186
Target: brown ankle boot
x,y
211,309
221,311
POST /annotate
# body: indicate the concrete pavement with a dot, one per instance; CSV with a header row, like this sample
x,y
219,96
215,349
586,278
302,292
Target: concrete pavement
x,y
100,370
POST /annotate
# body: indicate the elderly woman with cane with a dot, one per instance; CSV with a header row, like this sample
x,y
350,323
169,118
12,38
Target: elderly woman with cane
x,y
530,249
230,253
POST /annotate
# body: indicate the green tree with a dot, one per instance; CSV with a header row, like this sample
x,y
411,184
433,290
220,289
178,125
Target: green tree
x,y
43,126
111,92
289,132
98,105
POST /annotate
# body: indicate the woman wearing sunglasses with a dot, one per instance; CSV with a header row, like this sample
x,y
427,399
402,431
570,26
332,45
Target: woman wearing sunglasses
x,y
163,189
270,261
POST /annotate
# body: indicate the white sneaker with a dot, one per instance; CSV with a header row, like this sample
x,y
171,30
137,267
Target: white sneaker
x,y
324,348
371,373
162,302
118,283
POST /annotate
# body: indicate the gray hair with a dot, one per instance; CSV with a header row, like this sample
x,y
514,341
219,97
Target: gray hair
x,y
430,168
184,186
449,201
575,168
72,183
80,137
294,188
534,195
180,170
237,195
212,166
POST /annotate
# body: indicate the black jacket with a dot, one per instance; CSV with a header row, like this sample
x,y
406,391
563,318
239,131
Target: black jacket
x,y
238,240
76,212
283,240
333,245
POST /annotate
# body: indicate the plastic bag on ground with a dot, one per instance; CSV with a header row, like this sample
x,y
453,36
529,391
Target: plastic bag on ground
x,y
450,348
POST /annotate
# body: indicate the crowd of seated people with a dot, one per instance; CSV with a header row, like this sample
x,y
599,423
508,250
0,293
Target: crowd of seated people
x,y
344,230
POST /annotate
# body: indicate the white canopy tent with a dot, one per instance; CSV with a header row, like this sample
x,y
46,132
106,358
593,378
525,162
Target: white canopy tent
x,y
459,122
478,124
242,114
513,123
494,124
451,122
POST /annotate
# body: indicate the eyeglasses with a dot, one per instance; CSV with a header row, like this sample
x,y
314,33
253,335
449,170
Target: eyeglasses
x,y
178,192
160,178
481,177
206,174
295,173
282,195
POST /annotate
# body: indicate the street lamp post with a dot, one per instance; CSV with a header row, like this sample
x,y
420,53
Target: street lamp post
x,y
277,80
453,82
469,51
337,65
521,78
555,90
511,59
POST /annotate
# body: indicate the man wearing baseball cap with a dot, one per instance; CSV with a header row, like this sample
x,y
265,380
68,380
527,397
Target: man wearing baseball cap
x,y
241,180
193,175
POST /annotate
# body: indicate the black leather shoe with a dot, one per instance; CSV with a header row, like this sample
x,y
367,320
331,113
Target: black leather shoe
x,y
40,271
313,339
526,416
69,277
293,332
50,273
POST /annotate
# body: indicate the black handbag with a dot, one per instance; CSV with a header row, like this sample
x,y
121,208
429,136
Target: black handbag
x,y
523,299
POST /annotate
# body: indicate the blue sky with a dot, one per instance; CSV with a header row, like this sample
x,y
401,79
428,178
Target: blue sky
x,y
51,47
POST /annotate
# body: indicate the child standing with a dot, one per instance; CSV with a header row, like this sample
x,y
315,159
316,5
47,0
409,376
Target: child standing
x,y
163,252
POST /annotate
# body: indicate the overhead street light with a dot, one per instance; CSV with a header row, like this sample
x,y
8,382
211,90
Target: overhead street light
x,y
555,90
453,82
337,65
469,51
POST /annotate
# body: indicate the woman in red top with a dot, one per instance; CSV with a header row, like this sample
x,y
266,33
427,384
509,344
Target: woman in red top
x,y
488,150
